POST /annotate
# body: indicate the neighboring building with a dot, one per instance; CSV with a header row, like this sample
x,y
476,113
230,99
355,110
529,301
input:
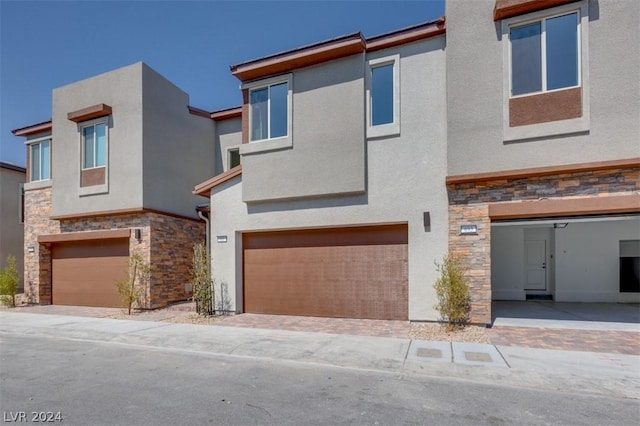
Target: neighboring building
x,y
339,207
110,175
366,160
12,179
353,165
543,119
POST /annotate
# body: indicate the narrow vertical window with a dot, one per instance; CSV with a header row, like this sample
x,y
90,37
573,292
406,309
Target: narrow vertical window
x,y
526,60
234,158
382,95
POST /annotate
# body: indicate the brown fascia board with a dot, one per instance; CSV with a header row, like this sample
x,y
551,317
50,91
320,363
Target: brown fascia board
x,y
45,126
508,8
84,236
199,112
225,114
88,113
543,171
206,186
407,35
120,212
299,58
11,166
565,208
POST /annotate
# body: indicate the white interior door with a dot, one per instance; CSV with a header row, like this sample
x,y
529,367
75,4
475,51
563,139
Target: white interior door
x,y
535,253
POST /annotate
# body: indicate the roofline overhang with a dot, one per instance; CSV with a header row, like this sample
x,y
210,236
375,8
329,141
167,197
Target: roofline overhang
x,y
45,126
333,49
205,187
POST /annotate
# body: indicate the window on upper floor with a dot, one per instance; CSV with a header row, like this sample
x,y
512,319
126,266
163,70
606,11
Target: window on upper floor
x,y
269,111
545,54
546,72
94,145
233,158
40,160
383,96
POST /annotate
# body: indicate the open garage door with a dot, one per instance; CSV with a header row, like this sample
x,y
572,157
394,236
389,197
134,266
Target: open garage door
x,y
84,272
346,272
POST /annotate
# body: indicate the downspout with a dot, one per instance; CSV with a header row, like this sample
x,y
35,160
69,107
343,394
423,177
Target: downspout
x,y
207,245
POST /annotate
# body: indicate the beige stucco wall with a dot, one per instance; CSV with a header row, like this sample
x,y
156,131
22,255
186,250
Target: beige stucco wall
x,y
157,151
405,177
475,91
328,140
228,135
11,229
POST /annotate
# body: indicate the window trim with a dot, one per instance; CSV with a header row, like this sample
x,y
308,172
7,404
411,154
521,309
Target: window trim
x,y
101,188
270,144
543,51
388,129
30,145
553,128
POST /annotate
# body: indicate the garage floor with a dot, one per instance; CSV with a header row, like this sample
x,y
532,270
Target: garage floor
x,y
514,311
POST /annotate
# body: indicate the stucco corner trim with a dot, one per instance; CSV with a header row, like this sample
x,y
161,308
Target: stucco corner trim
x,y
508,8
84,236
204,188
88,113
566,207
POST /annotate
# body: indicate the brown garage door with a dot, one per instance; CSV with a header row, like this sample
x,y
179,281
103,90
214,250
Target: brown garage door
x,y
84,272
348,272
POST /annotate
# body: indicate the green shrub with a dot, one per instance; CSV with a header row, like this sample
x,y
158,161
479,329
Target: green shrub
x,y
133,290
203,292
9,280
452,290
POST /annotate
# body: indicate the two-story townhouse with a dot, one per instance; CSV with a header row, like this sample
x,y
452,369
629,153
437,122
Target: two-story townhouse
x,y
12,178
111,174
543,134
339,206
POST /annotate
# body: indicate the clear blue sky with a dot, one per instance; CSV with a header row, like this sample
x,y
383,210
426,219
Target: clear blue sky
x,y
48,44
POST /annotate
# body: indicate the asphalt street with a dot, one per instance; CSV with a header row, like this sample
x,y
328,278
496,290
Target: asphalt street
x,y
106,383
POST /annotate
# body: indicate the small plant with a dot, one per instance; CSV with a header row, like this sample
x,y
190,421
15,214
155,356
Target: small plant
x,y
452,290
132,290
9,280
203,292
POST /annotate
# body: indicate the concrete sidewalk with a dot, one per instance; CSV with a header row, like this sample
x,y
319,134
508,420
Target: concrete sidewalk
x,y
614,375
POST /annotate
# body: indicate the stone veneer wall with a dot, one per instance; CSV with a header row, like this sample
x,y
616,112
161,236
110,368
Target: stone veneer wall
x,y
469,204
166,243
37,265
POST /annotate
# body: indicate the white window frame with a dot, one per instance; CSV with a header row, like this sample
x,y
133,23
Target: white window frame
x,y
30,145
280,142
543,52
227,166
94,123
553,128
393,128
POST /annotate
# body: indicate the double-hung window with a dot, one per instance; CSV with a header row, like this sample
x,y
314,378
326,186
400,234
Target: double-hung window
x,y
40,162
269,111
545,54
383,96
94,145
